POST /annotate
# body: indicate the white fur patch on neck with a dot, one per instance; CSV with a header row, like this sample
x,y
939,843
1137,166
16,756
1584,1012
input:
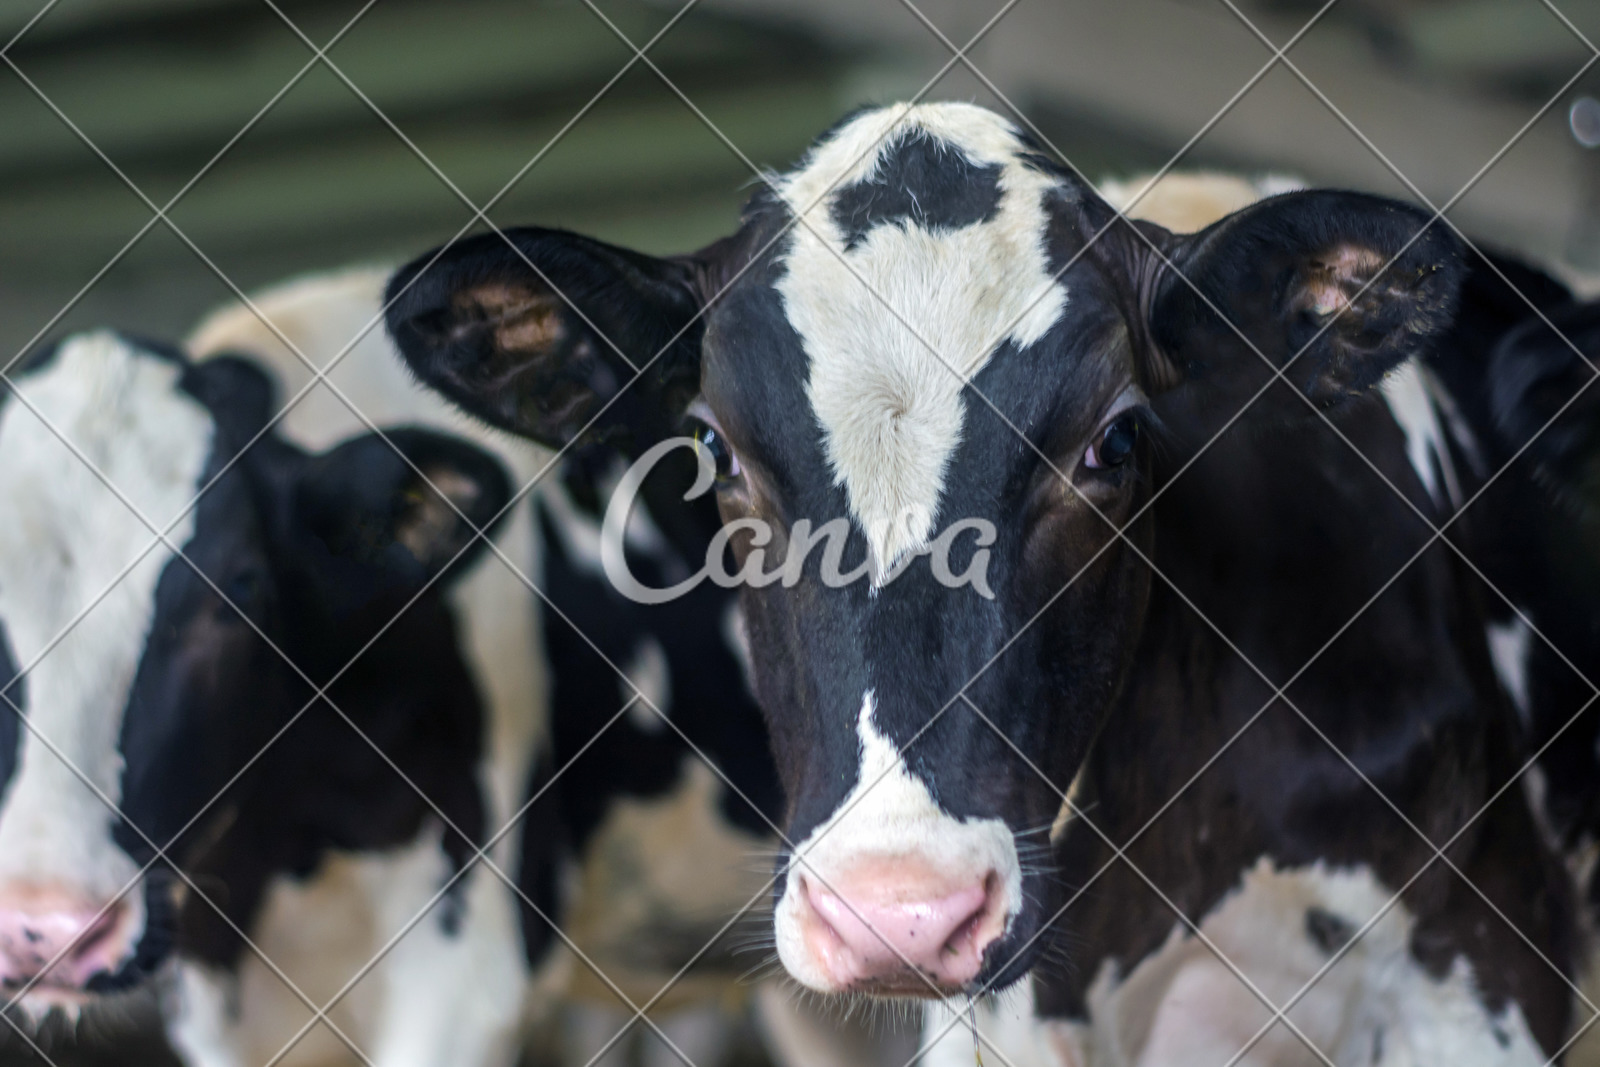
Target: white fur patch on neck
x,y
1510,644
890,815
1409,392
891,410
65,538
1280,927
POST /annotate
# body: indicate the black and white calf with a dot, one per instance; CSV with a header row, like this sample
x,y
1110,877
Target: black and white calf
x,y
1501,429
656,851
145,677
946,341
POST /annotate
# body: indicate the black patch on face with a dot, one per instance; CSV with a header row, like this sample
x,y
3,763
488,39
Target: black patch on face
x,y
923,180
1328,931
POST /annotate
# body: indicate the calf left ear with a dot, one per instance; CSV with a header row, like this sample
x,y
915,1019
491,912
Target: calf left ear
x,y
407,507
1337,288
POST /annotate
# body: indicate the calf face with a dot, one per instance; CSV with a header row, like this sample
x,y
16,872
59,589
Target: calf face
x,y
138,683
941,343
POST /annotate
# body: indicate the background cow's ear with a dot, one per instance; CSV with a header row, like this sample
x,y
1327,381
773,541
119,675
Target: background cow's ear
x,y
372,510
1281,271
240,390
1533,374
537,338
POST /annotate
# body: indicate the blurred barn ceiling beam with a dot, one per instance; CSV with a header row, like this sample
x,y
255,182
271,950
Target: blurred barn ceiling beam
x,y
1161,69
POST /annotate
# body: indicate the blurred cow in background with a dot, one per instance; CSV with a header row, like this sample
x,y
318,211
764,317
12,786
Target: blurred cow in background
x,y
661,853
195,650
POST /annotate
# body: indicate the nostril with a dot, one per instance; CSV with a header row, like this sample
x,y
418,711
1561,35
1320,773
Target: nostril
x,y
984,925
901,925
48,935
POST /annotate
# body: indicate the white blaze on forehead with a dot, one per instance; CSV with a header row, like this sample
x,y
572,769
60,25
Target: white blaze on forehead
x,y
65,538
890,409
890,815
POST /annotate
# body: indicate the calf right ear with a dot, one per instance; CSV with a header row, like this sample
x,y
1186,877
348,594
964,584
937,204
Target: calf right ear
x,y
538,331
1335,288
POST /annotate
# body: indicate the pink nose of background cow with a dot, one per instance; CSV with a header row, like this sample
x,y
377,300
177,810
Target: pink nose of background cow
x,y
53,936
896,928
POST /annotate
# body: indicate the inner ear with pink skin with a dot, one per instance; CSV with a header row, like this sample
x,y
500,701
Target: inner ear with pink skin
x,y
1334,288
537,332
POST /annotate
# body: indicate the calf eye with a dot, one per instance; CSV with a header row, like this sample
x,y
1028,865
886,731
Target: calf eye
x,y
709,441
1115,445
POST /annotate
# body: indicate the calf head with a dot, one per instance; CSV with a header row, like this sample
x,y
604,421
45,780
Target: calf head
x,y
138,684
932,337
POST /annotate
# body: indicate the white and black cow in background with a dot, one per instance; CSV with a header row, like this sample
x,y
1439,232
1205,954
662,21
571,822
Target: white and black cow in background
x,y
152,677
657,852
927,735
1513,391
